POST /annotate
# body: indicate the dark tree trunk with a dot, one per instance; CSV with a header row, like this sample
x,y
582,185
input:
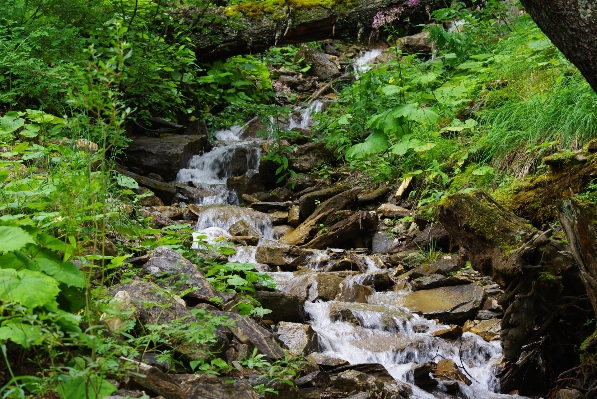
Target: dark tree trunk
x,y
572,27
231,36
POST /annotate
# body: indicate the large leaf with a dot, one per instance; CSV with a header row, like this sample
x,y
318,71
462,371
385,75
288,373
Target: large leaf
x,y
11,122
64,272
88,387
13,238
27,287
375,143
21,333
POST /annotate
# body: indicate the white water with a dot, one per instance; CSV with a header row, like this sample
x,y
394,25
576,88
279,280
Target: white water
x,y
211,170
363,63
305,116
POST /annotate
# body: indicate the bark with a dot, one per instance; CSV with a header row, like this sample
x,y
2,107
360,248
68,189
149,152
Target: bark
x,y
580,224
242,34
572,27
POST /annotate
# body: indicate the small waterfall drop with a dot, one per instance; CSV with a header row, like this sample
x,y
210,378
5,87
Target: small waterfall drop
x,y
305,114
210,171
363,63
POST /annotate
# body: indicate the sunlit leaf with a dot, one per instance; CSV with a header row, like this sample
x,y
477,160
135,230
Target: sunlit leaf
x,y
13,238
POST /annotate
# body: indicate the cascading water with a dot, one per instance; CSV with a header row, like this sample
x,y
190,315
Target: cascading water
x,y
363,63
381,331
211,170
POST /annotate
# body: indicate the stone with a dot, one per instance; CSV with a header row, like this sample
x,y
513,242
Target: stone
x,y
169,269
447,370
294,218
250,333
422,376
392,211
147,197
244,229
436,280
247,183
309,201
418,43
444,266
164,155
317,379
283,306
313,286
353,292
451,333
347,233
279,217
367,315
372,195
569,394
306,156
410,259
448,304
209,386
323,66
280,231
300,339
404,188
326,362
336,203
286,257
384,242
489,330
353,380
266,207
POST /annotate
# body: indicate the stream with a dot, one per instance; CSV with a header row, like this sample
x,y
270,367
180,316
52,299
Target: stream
x,y
381,330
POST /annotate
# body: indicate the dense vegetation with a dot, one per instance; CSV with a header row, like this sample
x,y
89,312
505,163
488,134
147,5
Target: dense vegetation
x,y
493,99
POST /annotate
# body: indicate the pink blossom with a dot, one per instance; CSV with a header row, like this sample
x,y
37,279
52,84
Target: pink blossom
x,y
383,18
413,3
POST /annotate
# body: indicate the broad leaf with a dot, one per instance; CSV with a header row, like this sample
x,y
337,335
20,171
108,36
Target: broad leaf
x,y
11,122
13,238
88,387
64,272
27,287
21,333
375,143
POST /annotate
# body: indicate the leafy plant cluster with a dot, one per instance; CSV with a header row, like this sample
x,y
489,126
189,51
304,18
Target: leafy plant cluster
x,y
493,98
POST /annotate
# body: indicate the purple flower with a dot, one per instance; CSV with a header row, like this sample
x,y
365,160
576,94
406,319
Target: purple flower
x,y
386,17
413,3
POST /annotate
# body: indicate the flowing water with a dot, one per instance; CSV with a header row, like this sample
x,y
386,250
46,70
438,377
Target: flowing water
x,y
384,333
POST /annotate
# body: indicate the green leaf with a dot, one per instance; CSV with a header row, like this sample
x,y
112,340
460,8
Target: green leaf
x,y
236,281
484,170
64,272
125,181
87,387
30,131
10,122
27,287
21,333
390,90
13,238
344,119
375,143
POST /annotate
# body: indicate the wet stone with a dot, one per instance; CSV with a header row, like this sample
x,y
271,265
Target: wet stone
x,y
243,228
422,376
444,266
326,362
369,315
489,330
317,379
446,369
353,292
451,333
270,206
436,280
300,339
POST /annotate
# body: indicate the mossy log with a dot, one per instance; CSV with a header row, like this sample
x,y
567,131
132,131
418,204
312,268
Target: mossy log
x,y
579,220
254,26
544,299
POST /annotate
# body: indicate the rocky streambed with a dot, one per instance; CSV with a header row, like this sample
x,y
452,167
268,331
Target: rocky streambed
x,y
381,302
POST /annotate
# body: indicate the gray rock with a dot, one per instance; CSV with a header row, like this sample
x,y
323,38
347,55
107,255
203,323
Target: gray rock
x,y
367,315
208,386
353,292
444,266
392,211
326,362
569,394
250,333
309,201
306,156
448,304
317,379
323,66
169,269
283,306
313,286
436,280
270,206
418,43
244,229
286,257
164,155
300,339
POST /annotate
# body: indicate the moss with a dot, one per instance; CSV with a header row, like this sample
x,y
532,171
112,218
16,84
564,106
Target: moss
x,y
254,9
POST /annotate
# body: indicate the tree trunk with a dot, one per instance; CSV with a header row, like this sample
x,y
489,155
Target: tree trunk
x,y
245,31
572,27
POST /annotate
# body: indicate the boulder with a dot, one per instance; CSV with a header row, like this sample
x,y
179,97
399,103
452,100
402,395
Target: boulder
x,y
372,195
323,66
392,211
281,230
447,370
250,333
300,339
444,266
294,218
448,304
418,43
335,203
279,217
309,201
270,206
326,362
304,232
422,376
207,386
164,155
283,306
489,330
313,286
306,156
317,379
347,233
367,315
286,257
353,380
171,270
248,183
453,332
353,292
243,228
436,280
